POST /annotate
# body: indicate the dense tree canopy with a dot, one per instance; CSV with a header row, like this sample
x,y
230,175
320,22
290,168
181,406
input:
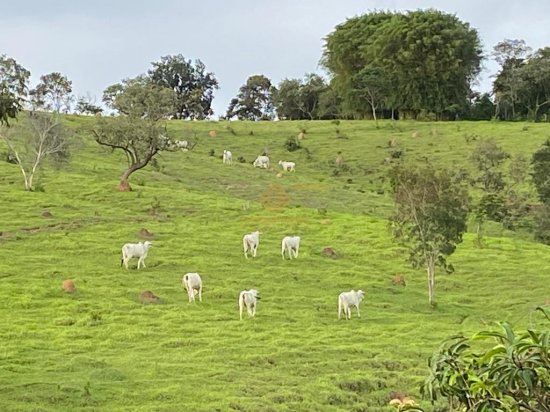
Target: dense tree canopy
x,y
13,88
296,99
194,86
429,57
254,101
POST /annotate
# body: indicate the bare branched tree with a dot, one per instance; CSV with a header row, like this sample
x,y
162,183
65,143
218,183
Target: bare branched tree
x,y
37,137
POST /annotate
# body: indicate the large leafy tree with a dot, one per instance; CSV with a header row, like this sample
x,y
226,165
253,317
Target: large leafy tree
x,y
431,209
370,86
429,57
510,54
139,131
13,88
285,99
53,93
488,157
296,99
192,83
541,171
534,94
541,178
254,101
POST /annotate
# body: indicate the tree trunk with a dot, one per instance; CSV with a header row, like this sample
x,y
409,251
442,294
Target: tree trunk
x,y
374,115
124,185
430,266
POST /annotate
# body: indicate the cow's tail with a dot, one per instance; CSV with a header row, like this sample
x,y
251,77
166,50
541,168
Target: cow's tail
x,y
245,247
241,305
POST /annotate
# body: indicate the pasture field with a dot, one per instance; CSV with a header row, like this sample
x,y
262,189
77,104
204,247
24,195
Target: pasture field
x,y
101,349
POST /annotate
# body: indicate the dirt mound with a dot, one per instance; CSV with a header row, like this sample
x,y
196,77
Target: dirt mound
x,y
47,214
148,297
399,280
124,186
146,234
69,286
330,252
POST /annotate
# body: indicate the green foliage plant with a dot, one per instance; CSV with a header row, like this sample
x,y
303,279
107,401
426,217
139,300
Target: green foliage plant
x,y
512,375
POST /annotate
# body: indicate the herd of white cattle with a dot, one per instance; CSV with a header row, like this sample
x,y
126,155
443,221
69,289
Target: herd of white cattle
x,y
192,282
261,161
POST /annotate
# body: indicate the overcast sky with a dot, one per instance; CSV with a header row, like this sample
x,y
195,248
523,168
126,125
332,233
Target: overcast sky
x,y
96,44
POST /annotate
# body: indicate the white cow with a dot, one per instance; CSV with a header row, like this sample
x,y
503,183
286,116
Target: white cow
x,y
248,299
261,162
287,166
193,284
181,144
227,157
290,244
250,243
131,250
346,300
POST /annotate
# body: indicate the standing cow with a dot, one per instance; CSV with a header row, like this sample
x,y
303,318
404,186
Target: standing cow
x,y
248,299
193,284
250,243
290,245
346,300
131,250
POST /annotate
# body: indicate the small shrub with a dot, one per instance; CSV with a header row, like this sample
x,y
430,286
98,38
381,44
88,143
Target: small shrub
x,y
292,144
336,122
241,159
155,165
396,154
211,152
38,187
251,133
340,135
155,208
10,158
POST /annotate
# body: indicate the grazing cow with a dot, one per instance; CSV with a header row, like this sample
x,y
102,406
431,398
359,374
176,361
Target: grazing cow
x,y
181,144
290,244
248,299
131,250
346,300
227,157
193,284
262,162
250,243
287,166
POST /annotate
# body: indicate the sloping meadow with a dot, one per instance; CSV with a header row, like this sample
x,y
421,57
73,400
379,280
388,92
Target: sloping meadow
x,y
101,348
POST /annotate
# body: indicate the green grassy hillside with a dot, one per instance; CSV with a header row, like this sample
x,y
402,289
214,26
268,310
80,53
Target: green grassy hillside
x,y
101,349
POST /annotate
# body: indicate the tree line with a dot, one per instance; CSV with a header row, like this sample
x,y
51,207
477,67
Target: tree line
x,y
417,64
